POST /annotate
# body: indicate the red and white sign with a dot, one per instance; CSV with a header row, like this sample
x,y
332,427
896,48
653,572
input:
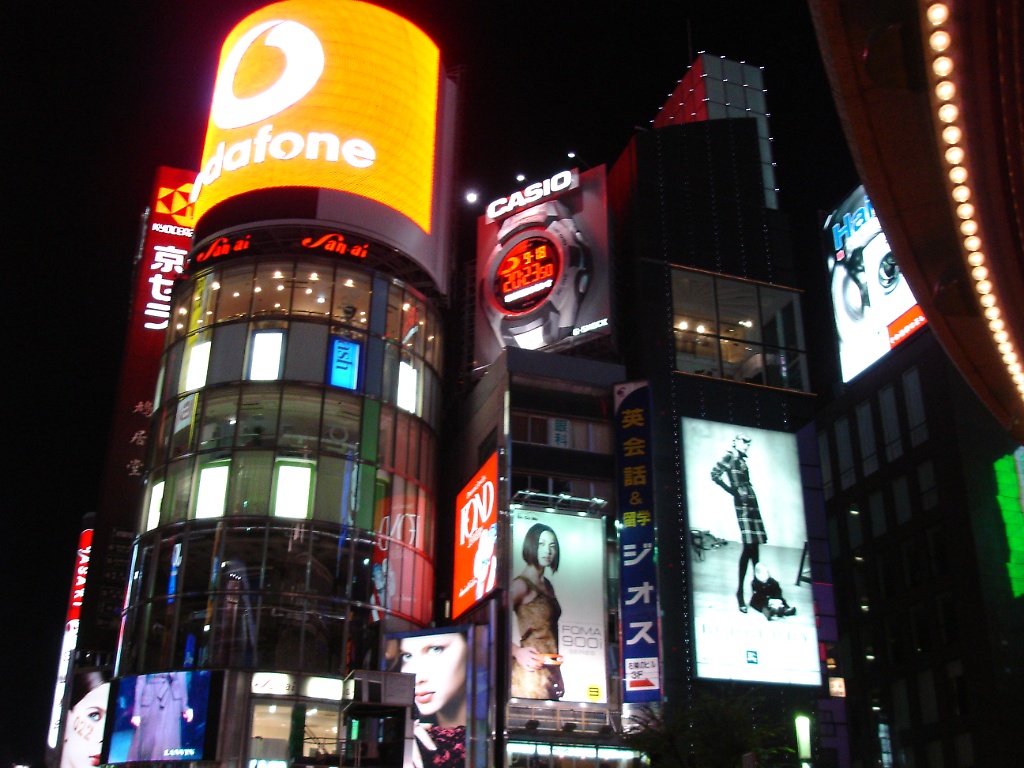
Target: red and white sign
x,y
476,538
70,641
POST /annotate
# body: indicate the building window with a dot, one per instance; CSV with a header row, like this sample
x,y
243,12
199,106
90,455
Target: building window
x,y
926,482
266,352
156,498
866,435
844,453
212,490
196,365
901,499
890,423
826,465
738,329
915,407
876,506
855,528
293,483
560,432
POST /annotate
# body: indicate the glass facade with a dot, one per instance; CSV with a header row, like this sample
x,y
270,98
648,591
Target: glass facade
x,y
738,329
290,497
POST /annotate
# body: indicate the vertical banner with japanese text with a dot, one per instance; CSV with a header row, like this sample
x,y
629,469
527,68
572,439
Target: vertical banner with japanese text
x,y
638,601
166,238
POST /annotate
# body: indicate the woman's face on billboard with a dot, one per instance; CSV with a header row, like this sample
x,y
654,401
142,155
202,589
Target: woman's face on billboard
x,y
83,738
439,663
547,548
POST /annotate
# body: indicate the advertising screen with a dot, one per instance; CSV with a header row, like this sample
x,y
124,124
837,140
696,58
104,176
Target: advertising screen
x,y
874,307
753,615
441,660
340,96
542,266
476,538
169,716
556,594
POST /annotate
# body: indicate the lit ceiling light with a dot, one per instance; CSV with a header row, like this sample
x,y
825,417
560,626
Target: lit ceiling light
x,y
976,259
969,227
961,193
979,273
520,177
948,113
984,286
945,90
937,14
952,135
972,243
958,174
472,197
939,40
955,155
942,66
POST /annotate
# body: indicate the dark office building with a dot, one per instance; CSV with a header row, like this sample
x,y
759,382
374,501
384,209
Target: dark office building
x,y
923,493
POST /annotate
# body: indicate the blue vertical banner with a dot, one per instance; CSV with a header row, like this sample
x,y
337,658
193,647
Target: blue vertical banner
x,y
638,600
343,368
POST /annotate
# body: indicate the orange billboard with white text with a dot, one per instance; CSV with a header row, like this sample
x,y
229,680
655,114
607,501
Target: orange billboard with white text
x,y
476,538
338,96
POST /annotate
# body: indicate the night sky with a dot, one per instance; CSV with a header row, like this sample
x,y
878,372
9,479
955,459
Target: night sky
x,y
100,93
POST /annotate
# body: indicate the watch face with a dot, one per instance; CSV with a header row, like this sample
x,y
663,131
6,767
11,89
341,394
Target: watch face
x,y
526,274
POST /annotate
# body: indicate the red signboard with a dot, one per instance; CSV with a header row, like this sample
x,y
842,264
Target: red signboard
x,y
476,538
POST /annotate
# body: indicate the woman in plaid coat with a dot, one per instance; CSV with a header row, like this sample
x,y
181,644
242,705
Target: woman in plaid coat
x,y
732,474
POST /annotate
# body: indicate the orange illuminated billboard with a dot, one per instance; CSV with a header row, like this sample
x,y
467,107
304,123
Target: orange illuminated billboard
x,y
340,96
476,538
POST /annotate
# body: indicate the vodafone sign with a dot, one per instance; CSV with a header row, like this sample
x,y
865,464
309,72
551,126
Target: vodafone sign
x,y
340,96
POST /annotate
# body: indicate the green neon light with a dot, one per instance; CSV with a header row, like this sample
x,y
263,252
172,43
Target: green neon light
x,y
1009,472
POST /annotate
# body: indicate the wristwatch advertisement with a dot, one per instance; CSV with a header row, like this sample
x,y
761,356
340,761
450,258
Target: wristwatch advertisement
x,y
542,272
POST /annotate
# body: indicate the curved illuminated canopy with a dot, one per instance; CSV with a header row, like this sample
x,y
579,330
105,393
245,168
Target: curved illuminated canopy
x,y
929,96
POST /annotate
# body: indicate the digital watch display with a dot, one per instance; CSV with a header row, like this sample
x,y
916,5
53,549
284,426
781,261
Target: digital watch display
x,y
527,274
536,277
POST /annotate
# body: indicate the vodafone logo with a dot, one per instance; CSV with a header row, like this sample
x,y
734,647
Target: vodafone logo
x,y
339,96
304,57
304,63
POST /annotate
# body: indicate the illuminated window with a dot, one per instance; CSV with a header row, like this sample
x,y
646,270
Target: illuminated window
x,y
265,355
292,484
738,329
408,387
213,489
197,363
156,498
